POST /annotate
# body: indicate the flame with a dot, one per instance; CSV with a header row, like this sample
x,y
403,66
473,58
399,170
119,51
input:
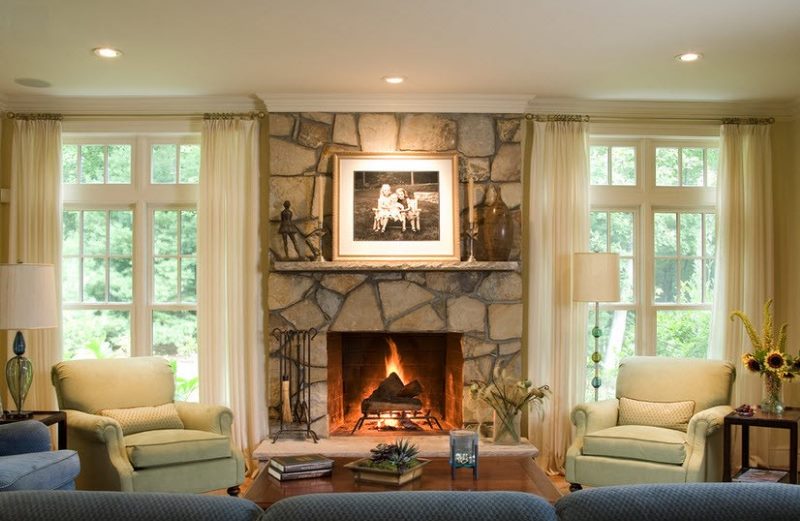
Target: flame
x,y
393,360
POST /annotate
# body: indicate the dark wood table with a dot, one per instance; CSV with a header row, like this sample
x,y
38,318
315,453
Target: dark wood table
x,y
788,420
519,474
48,418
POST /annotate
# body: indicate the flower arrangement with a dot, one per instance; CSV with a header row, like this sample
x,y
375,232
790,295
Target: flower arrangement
x,y
769,353
769,357
507,397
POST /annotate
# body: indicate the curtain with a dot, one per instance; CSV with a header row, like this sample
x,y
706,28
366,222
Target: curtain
x,y
558,220
229,315
744,259
35,235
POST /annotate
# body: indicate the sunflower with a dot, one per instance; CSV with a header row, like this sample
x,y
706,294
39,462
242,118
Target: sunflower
x,y
788,376
775,360
754,365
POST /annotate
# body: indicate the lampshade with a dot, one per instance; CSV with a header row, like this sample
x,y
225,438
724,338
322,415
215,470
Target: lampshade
x,y
27,296
595,277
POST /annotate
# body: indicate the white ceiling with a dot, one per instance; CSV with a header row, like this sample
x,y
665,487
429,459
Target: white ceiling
x,y
584,49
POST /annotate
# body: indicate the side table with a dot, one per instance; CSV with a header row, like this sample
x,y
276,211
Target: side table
x,y
48,418
788,420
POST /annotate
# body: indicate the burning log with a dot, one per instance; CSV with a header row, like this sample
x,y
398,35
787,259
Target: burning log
x,y
393,395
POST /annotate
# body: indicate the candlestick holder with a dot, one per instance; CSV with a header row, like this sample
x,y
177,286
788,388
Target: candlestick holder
x,y
472,234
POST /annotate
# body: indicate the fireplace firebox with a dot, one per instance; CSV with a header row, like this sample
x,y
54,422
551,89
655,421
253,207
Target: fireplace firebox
x,y
388,382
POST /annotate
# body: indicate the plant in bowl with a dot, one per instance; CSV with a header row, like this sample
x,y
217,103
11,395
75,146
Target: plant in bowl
x,y
390,463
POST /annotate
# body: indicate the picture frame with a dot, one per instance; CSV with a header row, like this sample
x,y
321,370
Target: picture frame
x,y
396,207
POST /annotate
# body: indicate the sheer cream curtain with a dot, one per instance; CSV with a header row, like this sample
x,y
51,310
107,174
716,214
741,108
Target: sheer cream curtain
x,y
35,234
744,261
558,221
229,315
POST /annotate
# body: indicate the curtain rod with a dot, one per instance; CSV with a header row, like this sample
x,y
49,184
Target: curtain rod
x,y
601,119
190,116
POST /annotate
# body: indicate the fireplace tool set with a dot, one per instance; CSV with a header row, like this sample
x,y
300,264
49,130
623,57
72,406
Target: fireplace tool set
x,y
295,370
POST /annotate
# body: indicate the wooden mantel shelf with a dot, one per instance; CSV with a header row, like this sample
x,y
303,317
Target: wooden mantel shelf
x,y
342,266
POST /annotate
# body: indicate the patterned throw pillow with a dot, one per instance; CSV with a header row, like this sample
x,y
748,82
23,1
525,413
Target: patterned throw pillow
x,y
139,419
671,415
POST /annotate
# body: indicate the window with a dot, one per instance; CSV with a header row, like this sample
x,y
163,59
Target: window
x,y
653,203
129,250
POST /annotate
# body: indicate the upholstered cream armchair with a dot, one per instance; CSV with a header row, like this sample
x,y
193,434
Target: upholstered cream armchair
x,y
664,426
131,435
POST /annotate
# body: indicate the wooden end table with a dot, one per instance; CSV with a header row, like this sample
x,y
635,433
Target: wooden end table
x,y
788,420
519,474
48,418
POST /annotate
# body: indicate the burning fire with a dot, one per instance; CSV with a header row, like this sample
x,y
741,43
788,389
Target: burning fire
x,y
393,361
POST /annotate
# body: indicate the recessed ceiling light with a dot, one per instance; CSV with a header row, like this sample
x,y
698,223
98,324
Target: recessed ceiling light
x,y
107,52
394,80
33,82
689,57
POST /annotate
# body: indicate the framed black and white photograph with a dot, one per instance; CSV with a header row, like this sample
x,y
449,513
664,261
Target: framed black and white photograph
x,y
395,207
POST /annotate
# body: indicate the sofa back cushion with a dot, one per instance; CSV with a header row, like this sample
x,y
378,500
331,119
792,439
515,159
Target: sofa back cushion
x,y
93,385
707,383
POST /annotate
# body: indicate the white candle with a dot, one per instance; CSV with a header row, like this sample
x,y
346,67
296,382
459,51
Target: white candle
x,y
321,198
470,200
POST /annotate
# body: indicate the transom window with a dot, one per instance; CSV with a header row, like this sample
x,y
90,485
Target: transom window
x,y
129,250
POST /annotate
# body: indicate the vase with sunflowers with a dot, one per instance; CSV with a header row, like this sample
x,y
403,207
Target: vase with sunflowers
x,y
769,358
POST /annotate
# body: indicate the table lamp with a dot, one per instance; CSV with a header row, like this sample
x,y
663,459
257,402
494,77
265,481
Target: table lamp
x,y
27,301
595,278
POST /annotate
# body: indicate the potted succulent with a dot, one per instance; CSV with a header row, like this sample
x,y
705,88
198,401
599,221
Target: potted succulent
x,y
390,463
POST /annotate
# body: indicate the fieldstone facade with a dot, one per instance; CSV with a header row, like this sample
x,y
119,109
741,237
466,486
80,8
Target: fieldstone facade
x,y
483,305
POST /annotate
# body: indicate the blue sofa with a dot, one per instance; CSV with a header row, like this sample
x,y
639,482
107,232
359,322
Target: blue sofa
x,y
660,502
27,463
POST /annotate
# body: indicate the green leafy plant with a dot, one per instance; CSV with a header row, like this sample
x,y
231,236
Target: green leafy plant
x,y
184,387
400,455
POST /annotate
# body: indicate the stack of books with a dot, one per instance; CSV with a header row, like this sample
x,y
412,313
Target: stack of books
x,y
284,468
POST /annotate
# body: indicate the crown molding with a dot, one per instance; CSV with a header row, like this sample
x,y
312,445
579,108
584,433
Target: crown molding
x,y
467,103
131,105
782,110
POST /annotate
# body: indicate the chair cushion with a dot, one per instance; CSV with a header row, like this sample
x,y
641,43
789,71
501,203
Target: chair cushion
x,y
671,415
141,419
640,442
49,470
173,446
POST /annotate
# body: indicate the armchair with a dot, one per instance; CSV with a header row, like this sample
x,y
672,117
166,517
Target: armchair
x,y
28,463
636,438
133,437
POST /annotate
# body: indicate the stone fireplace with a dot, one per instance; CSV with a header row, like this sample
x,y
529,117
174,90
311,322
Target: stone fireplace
x,y
478,313
474,309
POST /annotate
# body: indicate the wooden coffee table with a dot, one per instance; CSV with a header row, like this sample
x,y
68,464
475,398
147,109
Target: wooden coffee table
x,y
518,474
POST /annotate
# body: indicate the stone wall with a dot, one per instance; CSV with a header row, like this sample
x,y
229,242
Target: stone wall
x,y
485,306
302,147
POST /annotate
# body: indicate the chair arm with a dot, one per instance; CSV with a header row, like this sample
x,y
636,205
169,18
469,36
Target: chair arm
x,y
24,437
705,423
203,417
704,444
594,416
99,439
